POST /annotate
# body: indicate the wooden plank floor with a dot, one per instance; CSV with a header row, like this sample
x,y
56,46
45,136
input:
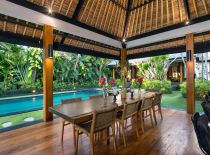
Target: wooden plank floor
x,y
172,136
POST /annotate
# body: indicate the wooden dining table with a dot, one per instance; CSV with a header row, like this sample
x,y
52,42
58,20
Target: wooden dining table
x,y
75,112
78,112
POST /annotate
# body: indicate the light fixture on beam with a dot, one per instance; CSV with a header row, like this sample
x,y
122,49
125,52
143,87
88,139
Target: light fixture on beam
x,y
49,11
189,55
187,22
124,40
50,51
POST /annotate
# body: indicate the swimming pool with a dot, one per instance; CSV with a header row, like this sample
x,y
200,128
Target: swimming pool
x,y
18,105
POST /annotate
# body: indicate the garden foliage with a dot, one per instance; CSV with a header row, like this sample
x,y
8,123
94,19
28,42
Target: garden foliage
x,y
201,89
21,70
164,86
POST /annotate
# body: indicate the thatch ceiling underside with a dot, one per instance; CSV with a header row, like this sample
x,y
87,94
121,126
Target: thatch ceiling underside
x,y
130,19
142,15
34,31
181,42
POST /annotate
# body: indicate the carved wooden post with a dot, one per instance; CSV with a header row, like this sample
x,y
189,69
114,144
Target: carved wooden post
x,y
113,73
181,72
123,70
190,73
47,72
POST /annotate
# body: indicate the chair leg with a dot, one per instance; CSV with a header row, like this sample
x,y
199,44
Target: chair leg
x,y
107,134
74,136
119,127
153,109
143,116
137,131
150,114
142,122
123,132
91,144
62,131
114,138
159,108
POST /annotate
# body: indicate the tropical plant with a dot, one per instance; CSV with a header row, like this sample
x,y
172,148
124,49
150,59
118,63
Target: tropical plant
x,y
21,68
155,68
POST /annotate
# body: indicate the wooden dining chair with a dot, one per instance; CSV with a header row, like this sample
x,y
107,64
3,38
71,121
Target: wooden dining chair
x,y
146,109
157,103
130,110
101,120
95,97
64,122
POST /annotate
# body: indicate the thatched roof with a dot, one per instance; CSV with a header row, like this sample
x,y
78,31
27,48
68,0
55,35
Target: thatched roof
x,y
114,19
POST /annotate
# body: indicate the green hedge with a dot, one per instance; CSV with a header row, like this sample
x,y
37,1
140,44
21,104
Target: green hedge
x,y
164,86
57,86
201,88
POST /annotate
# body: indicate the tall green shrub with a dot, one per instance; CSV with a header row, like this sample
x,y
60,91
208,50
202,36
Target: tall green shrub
x,y
201,88
164,86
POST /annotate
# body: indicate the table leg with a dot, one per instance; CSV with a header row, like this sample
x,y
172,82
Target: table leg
x,y
107,135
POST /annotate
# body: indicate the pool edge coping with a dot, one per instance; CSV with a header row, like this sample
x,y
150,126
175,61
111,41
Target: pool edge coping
x,y
35,95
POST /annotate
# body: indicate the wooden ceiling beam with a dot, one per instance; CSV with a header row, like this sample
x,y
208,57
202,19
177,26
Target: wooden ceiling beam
x,y
142,4
73,49
170,50
187,9
118,4
70,36
77,10
19,22
126,16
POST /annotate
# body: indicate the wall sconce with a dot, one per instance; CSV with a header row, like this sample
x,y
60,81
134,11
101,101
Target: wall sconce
x,y
189,56
50,51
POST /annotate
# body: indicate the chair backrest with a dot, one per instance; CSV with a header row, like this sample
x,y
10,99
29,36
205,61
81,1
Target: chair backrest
x,y
130,109
97,96
104,118
157,98
202,131
147,102
71,100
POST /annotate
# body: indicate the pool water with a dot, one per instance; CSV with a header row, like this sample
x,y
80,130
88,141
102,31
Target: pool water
x,y
12,106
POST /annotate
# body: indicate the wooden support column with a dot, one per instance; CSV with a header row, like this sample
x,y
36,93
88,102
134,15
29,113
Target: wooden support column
x,y
47,73
190,74
123,59
133,72
113,73
180,72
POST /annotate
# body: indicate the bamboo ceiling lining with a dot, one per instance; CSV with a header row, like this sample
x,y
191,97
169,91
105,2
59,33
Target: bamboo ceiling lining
x,y
180,42
161,13
20,27
64,7
143,15
104,15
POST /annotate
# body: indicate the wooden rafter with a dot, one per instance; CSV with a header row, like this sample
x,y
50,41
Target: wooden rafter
x,y
126,16
187,9
142,4
118,4
77,10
